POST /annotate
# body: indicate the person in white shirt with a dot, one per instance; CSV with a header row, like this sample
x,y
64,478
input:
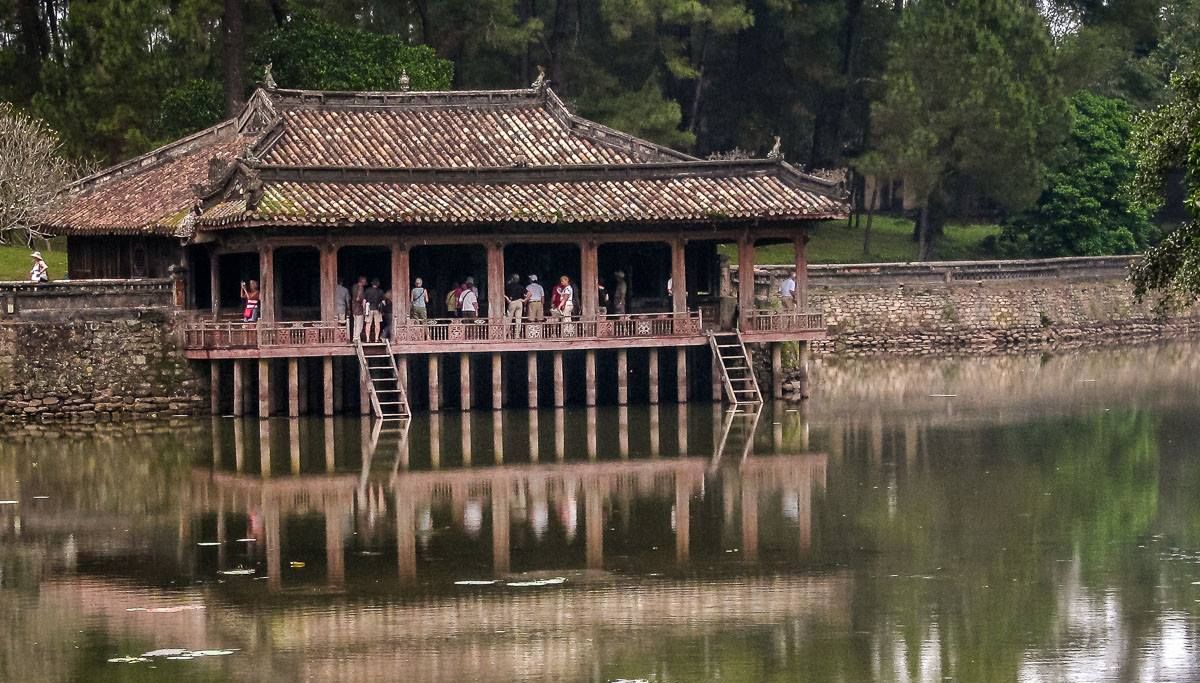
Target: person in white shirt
x,y
536,296
787,292
468,301
564,298
40,272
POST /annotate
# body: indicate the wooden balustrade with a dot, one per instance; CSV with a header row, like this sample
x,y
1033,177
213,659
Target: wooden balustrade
x,y
765,320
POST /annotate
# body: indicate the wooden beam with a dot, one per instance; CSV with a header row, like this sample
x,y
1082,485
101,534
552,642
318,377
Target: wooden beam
x,y
622,377
293,375
589,278
495,280
327,386
264,387
653,378
464,380
435,395
559,381
590,374
678,276
532,367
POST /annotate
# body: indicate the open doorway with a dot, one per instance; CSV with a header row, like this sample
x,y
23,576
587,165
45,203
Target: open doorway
x,y
233,270
297,283
549,262
442,267
370,262
645,268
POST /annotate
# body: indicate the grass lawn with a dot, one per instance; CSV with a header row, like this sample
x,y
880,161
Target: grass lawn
x,y
15,262
891,242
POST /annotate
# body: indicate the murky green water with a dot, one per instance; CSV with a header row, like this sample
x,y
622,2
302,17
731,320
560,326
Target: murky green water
x,y
1032,519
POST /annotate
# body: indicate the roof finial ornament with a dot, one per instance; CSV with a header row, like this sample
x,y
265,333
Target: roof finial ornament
x,y
268,80
540,81
405,81
776,150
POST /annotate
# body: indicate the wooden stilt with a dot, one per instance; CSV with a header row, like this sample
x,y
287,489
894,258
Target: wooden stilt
x,y
622,377
402,372
497,381
264,387
590,373
802,366
335,556
534,437
593,513
681,374
777,369
559,381
264,447
327,386
464,380
718,385
339,384
749,520
623,431
683,519
434,385
653,379
560,435
592,450
214,386
364,393
239,388
293,371
294,445
500,530
330,446
531,364
303,384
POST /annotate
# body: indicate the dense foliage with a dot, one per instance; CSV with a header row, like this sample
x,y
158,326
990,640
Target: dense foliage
x,y
1084,211
959,105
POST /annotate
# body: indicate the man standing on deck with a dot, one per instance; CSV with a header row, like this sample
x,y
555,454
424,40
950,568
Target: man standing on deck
x,y
341,303
535,295
374,297
357,308
787,293
514,296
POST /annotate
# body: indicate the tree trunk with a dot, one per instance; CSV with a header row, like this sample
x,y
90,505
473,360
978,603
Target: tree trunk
x,y
698,93
235,57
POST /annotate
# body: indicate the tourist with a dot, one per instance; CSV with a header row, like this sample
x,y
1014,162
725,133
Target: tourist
x,y
670,288
250,296
468,302
620,292
385,314
535,295
373,296
420,300
787,292
563,302
341,302
358,308
452,300
514,295
40,272
601,297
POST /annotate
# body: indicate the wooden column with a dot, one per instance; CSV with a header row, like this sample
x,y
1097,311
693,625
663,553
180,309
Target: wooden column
x,y
777,369
434,386
327,385
531,364
497,381
590,374
214,281
589,276
745,276
718,384
622,377
293,374
330,445
681,373
653,376
495,280
592,450
329,283
239,388
264,387
264,447
266,283
402,372
214,385
559,381
464,380
678,276
400,281
801,272
534,437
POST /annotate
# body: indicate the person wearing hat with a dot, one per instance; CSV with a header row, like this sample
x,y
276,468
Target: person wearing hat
x,y
40,272
536,295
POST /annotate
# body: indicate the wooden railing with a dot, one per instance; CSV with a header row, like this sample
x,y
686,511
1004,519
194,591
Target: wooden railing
x,y
221,335
766,320
630,326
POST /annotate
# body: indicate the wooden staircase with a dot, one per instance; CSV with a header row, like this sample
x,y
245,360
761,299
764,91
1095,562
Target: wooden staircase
x,y
388,400
737,434
737,372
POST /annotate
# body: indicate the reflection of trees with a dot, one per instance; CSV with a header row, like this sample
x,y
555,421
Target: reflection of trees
x,y
976,544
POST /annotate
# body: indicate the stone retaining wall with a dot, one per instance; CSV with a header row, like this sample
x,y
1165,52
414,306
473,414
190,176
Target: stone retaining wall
x,y
98,367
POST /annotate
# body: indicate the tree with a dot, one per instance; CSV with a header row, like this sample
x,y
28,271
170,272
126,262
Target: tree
x,y
970,99
32,172
1083,211
1165,141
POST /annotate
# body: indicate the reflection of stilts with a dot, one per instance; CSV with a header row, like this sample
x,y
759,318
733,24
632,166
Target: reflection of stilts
x,y
747,419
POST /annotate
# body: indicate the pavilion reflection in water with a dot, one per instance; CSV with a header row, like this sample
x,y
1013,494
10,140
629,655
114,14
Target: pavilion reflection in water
x,y
551,488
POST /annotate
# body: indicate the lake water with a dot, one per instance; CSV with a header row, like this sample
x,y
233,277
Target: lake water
x,y
1000,519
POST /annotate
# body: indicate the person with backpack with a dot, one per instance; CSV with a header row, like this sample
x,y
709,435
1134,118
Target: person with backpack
x,y
420,300
468,301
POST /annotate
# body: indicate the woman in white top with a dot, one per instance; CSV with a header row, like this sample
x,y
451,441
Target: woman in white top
x,y
40,272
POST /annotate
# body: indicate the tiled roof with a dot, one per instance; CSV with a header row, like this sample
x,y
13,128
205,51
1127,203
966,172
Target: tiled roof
x,y
746,190
440,157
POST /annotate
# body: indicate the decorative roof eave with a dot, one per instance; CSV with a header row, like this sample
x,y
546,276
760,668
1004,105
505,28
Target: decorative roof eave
x,y
604,135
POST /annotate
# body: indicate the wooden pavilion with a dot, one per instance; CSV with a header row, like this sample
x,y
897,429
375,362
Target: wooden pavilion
x,y
305,189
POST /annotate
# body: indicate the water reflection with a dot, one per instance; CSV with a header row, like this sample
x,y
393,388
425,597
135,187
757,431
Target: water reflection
x,y
1033,526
